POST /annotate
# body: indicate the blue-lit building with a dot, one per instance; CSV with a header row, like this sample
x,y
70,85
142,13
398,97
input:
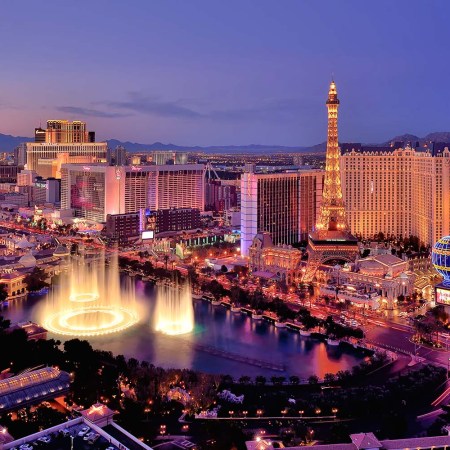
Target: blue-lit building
x,y
440,257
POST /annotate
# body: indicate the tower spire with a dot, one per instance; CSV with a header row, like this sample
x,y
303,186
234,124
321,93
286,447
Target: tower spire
x,y
332,211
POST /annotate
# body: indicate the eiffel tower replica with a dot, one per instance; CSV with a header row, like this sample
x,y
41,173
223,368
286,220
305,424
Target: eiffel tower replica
x,y
331,242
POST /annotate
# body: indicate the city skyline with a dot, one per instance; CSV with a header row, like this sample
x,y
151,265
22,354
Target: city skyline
x,y
202,74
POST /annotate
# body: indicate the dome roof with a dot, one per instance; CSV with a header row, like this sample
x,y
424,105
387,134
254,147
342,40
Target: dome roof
x,y
440,257
23,243
28,260
61,250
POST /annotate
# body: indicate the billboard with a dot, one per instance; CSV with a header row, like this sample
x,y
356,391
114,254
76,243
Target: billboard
x,y
147,235
443,296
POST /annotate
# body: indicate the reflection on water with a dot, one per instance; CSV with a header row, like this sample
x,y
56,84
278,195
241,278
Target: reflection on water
x,y
215,328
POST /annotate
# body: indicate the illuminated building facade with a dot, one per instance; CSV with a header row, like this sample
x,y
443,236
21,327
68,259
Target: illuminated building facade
x,y
163,157
381,279
397,190
62,142
278,261
46,159
331,240
282,204
63,132
123,226
440,257
180,186
93,191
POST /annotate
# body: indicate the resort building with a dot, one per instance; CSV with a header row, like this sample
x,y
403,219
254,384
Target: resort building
x,y
63,132
286,205
46,159
377,279
266,260
397,190
163,157
96,190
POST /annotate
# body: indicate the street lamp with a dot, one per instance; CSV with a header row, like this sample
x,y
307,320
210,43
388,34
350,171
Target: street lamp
x,y
301,412
259,412
448,365
334,411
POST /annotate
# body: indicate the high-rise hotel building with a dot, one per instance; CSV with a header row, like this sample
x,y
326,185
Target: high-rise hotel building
x,y
62,142
397,190
93,191
284,204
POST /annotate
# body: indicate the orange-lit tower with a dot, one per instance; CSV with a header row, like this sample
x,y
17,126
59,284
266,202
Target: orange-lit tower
x,y
332,210
331,242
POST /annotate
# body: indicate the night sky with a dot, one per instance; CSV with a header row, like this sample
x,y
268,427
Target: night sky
x,y
206,72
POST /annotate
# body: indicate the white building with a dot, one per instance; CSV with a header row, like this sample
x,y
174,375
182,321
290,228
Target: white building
x,y
93,191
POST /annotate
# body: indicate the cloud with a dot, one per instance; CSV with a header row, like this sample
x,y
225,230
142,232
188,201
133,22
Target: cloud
x,y
154,106
182,108
91,112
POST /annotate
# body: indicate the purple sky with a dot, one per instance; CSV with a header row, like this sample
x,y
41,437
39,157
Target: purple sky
x,y
204,72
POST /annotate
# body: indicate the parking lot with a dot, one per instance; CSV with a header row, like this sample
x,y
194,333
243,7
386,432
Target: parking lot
x,y
69,439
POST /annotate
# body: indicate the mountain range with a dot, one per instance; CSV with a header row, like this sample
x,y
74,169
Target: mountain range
x,y
8,143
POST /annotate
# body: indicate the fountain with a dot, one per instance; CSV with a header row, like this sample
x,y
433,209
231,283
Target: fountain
x,y
90,300
174,312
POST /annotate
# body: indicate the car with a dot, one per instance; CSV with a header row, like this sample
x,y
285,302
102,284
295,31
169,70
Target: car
x,y
93,438
45,439
26,447
83,431
88,435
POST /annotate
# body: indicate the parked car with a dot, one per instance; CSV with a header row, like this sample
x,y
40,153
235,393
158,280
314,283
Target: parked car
x,y
88,435
83,431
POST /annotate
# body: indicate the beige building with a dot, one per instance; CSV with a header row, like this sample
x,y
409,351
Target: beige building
x,y
385,275
64,131
397,190
46,159
279,261
286,205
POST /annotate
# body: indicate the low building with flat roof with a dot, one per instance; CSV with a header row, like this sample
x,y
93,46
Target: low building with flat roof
x,y
366,441
107,432
32,387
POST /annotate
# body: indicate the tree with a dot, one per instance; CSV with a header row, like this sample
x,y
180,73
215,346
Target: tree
x,y
313,379
36,280
260,380
3,292
294,380
245,379
224,268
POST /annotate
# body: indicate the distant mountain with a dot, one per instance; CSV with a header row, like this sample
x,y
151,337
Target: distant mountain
x,y
8,143
404,138
438,136
136,148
